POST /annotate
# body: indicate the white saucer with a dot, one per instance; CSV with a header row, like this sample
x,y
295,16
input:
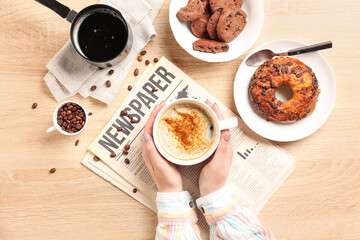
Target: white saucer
x,y
183,35
293,131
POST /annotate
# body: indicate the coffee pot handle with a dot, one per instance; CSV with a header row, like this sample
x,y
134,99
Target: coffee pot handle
x,y
59,8
228,123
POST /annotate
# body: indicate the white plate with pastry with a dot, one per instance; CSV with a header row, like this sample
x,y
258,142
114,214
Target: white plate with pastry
x,y
254,112
243,42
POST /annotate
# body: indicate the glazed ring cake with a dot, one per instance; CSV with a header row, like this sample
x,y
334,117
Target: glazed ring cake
x,y
276,72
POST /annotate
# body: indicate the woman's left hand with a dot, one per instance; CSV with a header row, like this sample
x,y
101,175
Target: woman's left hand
x,y
165,174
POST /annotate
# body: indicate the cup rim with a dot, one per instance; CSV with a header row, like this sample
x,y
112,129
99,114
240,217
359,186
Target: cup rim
x,y
86,9
56,125
196,160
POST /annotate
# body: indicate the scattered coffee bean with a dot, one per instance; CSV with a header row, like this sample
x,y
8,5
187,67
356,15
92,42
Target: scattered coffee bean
x,y
113,155
127,147
139,58
119,129
111,72
132,120
123,113
93,88
130,117
155,89
77,142
156,60
34,106
52,170
127,161
143,52
129,87
96,158
136,72
125,152
100,68
71,117
90,113
108,83
147,62
134,190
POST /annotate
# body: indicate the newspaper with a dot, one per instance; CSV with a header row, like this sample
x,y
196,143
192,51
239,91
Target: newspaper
x,y
258,168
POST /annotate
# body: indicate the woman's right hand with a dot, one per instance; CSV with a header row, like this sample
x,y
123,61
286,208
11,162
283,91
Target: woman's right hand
x,y
214,174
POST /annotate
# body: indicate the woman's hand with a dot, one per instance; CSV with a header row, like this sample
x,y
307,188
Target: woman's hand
x,y
214,174
165,174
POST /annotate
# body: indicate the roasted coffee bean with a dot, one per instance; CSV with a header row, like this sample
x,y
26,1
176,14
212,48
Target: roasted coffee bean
x,y
147,62
96,158
111,72
143,52
90,113
60,122
156,60
132,121
155,89
82,114
68,112
127,147
34,106
76,142
100,68
93,88
113,155
119,129
139,58
108,83
136,72
52,170
78,126
125,152
134,190
129,87
127,161
130,117
70,107
123,113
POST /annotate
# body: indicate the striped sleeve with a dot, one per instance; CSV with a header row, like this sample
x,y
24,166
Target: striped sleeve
x,y
228,221
177,216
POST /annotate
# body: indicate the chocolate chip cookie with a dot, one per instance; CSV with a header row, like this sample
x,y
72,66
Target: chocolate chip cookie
x,y
198,26
210,46
230,25
193,10
224,4
212,24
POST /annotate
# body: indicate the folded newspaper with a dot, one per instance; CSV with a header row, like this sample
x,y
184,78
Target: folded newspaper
x,y
258,168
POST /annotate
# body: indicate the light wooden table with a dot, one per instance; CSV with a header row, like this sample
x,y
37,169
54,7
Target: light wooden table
x,y
320,200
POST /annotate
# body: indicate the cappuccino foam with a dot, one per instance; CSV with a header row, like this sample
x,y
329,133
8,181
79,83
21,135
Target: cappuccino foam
x,y
186,131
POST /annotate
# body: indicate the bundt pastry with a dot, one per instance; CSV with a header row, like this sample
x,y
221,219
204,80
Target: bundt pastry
x,y
276,72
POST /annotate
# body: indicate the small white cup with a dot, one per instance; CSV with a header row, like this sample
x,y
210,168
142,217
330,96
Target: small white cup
x,y
56,125
218,126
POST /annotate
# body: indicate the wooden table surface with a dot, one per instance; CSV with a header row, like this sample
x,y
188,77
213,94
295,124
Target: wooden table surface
x,y
320,200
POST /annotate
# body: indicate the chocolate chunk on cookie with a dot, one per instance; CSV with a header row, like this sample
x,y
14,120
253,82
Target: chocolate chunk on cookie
x,y
210,46
193,10
198,26
212,24
231,24
224,4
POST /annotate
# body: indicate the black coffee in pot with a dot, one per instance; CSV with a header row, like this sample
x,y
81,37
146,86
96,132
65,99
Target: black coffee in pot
x,y
102,36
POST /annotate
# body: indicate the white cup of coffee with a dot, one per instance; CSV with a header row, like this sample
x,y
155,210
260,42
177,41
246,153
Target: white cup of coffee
x,y
187,131
79,119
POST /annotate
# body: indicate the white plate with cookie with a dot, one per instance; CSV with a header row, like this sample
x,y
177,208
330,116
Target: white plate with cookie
x,y
285,132
242,43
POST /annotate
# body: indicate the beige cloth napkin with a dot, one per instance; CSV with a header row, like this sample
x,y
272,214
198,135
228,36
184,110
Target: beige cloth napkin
x,y
70,74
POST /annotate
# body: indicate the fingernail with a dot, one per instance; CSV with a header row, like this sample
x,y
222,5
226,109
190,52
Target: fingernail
x,y
227,137
147,137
